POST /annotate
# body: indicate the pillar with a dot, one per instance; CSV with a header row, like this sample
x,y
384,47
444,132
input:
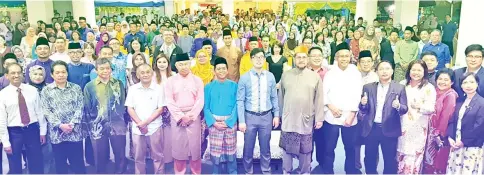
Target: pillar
x,y
367,9
470,31
406,12
169,8
40,10
228,7
84,8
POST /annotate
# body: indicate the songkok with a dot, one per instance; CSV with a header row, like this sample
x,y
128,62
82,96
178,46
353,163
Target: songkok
x,y
409,29
41,41
220,60
301,49
74,46
342,46
182,57
364,53
48,26
256,51
203,28
206,42
9,56
253,39
184,26
153,22
227,33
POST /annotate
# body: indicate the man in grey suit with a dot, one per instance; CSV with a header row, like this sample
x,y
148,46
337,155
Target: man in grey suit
x,y
381,106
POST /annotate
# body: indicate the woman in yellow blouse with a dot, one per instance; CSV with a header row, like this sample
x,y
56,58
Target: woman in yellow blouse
x,y
202,67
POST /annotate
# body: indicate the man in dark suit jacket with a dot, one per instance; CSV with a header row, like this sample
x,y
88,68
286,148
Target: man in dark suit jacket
x,y
381,106
474,54
169,48
386,52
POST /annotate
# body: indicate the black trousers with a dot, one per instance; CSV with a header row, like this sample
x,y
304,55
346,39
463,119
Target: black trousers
x,y
30,137
89,153
319,142
451,46
101,153
331,135
71,151
388,147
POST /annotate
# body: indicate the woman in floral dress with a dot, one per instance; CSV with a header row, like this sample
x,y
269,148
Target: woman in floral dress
x,y
466,130
421,97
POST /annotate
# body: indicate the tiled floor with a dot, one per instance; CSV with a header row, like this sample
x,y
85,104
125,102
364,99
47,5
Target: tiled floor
x,y
207,168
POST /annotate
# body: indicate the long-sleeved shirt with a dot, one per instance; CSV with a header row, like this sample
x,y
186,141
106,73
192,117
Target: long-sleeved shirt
x,y
185,42
197,45
63,106
119,71
233,57
342,89
301,110
80,73
4,82
46,65
129,36
442,51
10,111
257,93
104,108
220,100
246,64
83,32
405,52
448,31
184,95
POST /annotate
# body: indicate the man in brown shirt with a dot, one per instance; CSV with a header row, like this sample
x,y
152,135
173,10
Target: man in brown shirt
x,y
232,54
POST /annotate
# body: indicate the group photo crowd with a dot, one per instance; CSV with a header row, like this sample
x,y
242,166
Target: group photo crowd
x,y
169,93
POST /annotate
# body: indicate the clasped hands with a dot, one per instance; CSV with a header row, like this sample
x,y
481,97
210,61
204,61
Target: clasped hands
x,y
185,121
337,113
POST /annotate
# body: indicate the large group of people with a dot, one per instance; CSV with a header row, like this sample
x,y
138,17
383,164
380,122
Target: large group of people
x,y
176,88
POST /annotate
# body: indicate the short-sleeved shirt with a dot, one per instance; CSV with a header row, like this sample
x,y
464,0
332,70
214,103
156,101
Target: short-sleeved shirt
x,y
145,101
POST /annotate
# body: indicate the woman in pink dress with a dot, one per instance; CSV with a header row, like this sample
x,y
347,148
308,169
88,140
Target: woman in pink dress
x,y
436,153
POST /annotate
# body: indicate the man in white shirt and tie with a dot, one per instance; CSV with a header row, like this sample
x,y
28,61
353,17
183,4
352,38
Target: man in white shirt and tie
x,y
342,94
21,122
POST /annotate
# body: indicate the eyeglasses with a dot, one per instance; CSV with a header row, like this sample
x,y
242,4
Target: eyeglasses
x,y
259,57
474,56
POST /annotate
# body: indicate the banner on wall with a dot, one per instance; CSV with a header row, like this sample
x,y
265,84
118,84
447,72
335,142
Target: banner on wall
x,y
129,3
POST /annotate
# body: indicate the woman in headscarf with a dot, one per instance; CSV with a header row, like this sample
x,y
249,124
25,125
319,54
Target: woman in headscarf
x,y
202,67
28,41
19,53
289,46
103,41
18,34
37,77
371,43
124,27
4,49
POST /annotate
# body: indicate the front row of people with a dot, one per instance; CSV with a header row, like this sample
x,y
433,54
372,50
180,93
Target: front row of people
x,y
405,119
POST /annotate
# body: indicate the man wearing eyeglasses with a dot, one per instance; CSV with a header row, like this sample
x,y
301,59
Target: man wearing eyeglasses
x,y
341,91
258,111
79,74
474,55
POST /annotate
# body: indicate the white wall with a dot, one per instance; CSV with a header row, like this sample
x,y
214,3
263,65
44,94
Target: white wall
x,y
62,6
470,29
406,12
366,9
84,8
39,10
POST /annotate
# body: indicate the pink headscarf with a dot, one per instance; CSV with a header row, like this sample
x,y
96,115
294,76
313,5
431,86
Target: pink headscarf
x,y
101,43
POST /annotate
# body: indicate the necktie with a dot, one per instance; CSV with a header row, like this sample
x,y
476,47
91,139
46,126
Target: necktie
x,y
24,113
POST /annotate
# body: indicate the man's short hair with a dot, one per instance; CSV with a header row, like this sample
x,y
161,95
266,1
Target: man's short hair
x,y
102,61
428,53
56,63
106,47
14,64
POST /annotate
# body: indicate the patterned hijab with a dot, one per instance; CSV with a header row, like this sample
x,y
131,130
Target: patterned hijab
x,y
204,71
